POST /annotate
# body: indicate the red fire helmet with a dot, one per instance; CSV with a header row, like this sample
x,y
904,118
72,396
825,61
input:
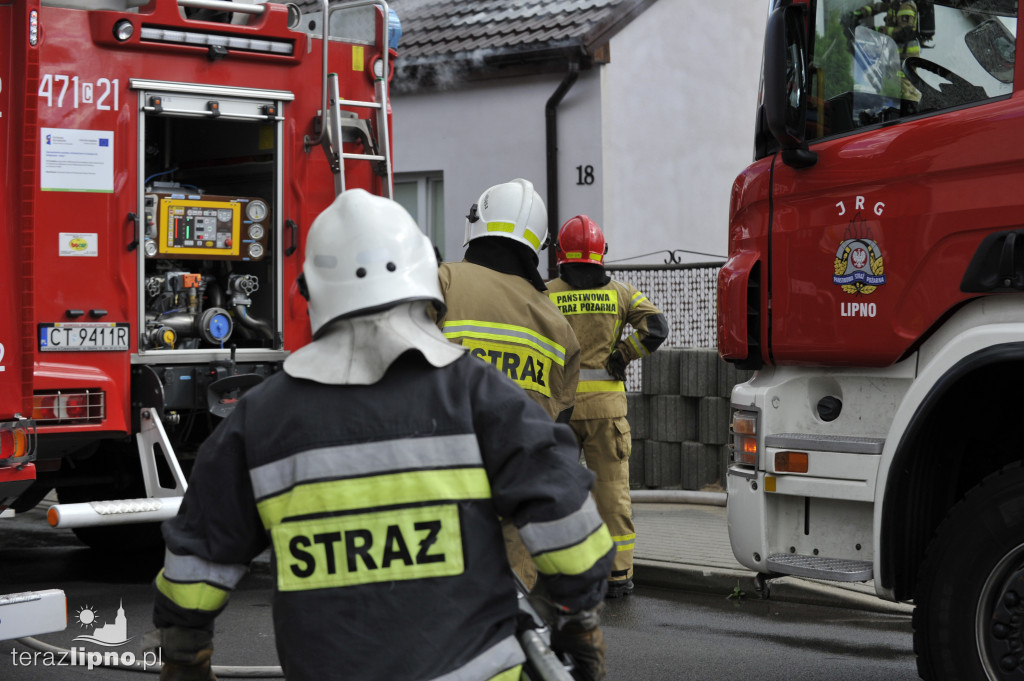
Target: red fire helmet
x,y
580,240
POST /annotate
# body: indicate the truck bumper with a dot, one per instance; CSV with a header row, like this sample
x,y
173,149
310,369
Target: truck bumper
x,y
745,514
782,517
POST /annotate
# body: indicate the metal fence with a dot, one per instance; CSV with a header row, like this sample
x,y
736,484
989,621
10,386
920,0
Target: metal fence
x,y
687,294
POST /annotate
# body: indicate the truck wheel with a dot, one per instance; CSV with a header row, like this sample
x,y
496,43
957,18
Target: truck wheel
x,y
118,475
969,615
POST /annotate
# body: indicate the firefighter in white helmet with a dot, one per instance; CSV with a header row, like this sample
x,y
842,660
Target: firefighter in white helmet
x,y
599,308
376,467
498,308
496,299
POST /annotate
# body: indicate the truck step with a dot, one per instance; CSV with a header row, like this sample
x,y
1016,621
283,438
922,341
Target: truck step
x,y
820,567
114,512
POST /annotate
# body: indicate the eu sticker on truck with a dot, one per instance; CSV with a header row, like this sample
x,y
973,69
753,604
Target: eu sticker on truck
x,y
83,337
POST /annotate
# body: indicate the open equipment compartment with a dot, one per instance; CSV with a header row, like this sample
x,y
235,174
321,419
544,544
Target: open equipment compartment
x,y
211,256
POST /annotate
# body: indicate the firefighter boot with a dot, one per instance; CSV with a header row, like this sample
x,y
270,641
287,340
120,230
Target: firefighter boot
x,y
186,654
618,588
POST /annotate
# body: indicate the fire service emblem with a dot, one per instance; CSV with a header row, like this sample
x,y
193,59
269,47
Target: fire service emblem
x,y
858,267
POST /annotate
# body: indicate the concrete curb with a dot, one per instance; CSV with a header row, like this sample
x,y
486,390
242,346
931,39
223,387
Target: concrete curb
x,y
724,581
677,496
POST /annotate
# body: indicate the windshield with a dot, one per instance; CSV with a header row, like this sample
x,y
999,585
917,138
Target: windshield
x,y
877,62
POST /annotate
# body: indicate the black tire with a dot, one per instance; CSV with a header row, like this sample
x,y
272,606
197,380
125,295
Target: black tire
x,y
118,462
969,615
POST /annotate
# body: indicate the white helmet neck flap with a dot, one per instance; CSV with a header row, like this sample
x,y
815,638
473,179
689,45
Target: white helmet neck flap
x,y
359,350
513,210
366,253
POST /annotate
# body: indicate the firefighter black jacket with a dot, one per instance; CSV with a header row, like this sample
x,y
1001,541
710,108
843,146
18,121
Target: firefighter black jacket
x,y
381,506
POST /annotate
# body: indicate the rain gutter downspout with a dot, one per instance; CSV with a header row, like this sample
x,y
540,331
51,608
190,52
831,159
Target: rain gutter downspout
x,y
551,143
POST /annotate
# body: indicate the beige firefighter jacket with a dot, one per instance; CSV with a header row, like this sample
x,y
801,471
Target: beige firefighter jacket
x,y
598,317
504,320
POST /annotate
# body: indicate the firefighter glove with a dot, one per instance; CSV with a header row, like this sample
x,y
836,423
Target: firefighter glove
x,y
579,636
616,365
186,654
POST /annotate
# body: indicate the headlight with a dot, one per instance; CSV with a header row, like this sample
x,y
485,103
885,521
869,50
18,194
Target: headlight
x,y
123,30
744,437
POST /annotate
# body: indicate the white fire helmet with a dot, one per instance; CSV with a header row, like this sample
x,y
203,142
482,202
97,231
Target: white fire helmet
x,y
513,210
365,253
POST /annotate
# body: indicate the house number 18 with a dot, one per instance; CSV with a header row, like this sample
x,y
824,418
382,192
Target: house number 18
x,y
584,174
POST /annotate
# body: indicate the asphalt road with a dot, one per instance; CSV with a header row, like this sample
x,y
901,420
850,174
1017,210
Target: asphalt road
x,y
653,635
663,635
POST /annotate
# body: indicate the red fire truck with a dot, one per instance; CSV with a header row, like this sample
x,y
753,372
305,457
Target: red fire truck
x,y
35,612
875,281
162,164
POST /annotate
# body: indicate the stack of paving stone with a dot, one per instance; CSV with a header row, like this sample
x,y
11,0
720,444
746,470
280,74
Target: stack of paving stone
x,y
679,421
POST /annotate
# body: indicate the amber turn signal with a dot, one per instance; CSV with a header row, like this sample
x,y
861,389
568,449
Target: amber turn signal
x,y
791,462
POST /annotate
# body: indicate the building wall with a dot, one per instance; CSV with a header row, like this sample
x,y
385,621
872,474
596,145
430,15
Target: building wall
x,y
479,135
680,96
666,126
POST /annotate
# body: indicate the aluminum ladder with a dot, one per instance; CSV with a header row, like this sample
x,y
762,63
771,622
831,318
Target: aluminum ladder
x,y
334,123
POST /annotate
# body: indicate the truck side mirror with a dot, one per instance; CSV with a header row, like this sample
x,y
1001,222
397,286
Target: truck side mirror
x,y
785,84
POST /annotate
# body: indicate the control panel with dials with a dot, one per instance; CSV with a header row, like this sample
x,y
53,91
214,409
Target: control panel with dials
x,y
199,226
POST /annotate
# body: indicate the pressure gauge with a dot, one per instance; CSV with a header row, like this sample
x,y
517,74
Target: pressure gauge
x,y
150,248
225,215
256,231
256,210
255,251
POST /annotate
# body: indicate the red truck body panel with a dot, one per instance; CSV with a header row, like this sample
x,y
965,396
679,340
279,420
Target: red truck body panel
x,y
749,208
926,193
16,310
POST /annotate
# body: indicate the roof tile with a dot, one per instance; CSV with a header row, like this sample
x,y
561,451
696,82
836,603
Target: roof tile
x,y
456,26
450,37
